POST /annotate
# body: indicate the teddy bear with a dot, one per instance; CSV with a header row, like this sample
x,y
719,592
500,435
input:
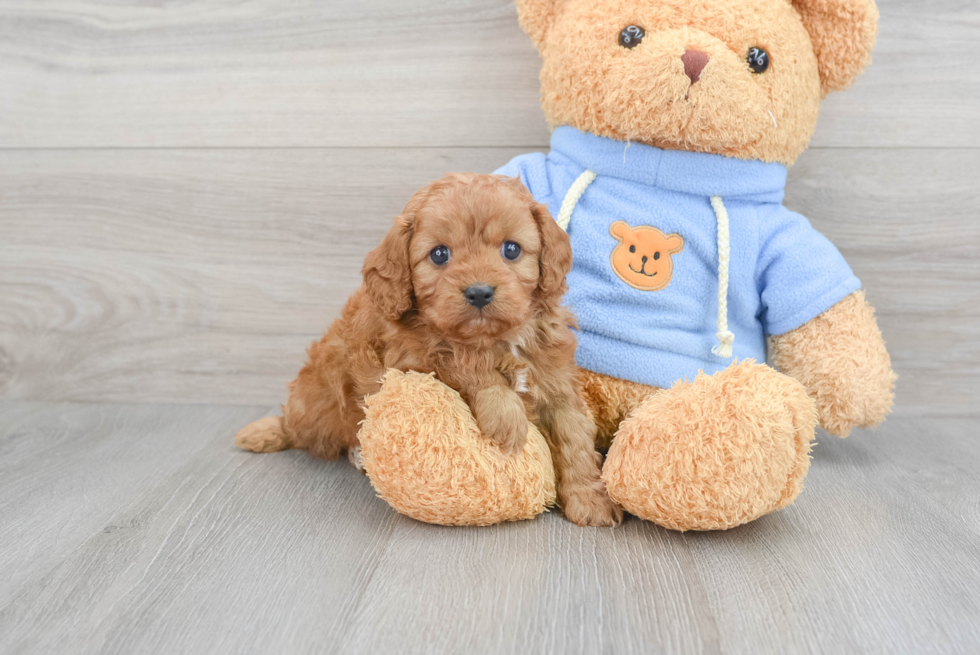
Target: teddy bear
x,y
717,329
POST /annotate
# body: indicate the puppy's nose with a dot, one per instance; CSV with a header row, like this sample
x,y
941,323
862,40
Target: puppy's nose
x,y
479,295
694,63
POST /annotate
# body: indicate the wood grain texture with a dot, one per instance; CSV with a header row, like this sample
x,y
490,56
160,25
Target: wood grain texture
x,y
187,190
65,470
220,551
201,276
384,73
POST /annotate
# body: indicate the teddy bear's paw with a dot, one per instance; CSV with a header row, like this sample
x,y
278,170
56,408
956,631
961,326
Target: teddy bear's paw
x,y
425,455
714,453
591,506
841,358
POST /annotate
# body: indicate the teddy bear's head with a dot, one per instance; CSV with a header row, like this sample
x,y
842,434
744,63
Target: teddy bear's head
x,y
742,78
644,257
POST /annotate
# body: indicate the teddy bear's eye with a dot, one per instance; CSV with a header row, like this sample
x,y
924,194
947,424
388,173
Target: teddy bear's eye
x,y
631,36
656,256
632,248
758,60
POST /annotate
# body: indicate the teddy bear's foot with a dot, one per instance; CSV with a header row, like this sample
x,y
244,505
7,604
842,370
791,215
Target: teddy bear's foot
x,y
425,456
714,453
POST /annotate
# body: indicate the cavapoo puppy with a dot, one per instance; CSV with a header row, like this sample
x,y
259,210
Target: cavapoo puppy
x,y
467,284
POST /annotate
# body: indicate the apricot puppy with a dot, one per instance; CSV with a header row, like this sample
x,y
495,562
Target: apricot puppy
x,y
467,284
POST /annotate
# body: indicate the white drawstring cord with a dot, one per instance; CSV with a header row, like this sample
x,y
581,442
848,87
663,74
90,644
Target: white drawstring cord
x,y
725,337
572,197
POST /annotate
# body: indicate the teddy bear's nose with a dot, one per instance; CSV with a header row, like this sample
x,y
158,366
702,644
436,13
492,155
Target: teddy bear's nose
x,y
694,63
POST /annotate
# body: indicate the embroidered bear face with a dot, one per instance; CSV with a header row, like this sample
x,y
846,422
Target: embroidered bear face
x,y
740,78
644,257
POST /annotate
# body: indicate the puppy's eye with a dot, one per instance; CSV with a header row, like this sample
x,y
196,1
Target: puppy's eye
x,y
439,255
510,250
758,60
632,248
631,36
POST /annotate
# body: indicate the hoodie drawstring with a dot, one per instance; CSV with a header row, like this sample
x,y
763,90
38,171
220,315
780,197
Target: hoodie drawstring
x,y
725,337
572,197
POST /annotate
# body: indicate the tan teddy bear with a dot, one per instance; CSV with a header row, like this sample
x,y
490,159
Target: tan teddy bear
x,y
674,122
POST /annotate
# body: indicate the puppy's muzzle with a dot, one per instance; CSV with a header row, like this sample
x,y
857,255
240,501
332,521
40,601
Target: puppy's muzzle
x,y
479,295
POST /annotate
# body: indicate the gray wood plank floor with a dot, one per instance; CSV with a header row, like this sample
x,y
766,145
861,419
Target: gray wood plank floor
x,y
187,190
135,528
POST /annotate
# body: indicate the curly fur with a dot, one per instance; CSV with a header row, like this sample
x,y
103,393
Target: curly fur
x,y
710,454
610,401
841,359
407,447
642,94
511,361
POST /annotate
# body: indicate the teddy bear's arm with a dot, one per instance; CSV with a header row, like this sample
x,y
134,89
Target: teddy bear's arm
x,y
841,359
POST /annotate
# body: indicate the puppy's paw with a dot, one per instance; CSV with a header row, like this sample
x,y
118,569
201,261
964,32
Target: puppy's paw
x,y
508,432
590,505
502,418
355,458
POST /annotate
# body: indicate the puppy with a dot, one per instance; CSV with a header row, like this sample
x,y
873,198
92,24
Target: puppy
x,y
467,284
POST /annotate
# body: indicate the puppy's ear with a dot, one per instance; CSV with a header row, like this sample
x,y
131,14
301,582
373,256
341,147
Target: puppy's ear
x,y
555,258
387,272
537,17
843,34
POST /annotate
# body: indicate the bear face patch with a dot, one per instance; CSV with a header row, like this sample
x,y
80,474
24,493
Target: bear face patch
x,y
643,259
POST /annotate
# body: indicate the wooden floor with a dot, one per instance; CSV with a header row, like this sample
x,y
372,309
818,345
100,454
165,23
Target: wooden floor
x,y
187,190
130,528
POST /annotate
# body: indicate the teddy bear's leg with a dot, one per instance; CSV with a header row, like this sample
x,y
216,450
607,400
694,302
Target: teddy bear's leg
x,y
610,400
714,453
841,359
425,455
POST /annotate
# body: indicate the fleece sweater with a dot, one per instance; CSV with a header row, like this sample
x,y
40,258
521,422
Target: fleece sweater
x,y
782,272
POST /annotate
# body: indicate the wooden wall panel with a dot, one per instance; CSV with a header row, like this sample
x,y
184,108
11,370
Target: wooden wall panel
x,y
389,73
201,275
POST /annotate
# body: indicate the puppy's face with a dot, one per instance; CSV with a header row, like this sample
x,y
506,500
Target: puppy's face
x,y
474,258
480,254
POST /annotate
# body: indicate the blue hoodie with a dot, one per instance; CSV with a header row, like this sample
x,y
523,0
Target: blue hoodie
x,y
652,315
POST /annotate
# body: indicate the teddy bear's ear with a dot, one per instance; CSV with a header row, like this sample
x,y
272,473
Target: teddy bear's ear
x,y
675,243
843,34
537,17
619,230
